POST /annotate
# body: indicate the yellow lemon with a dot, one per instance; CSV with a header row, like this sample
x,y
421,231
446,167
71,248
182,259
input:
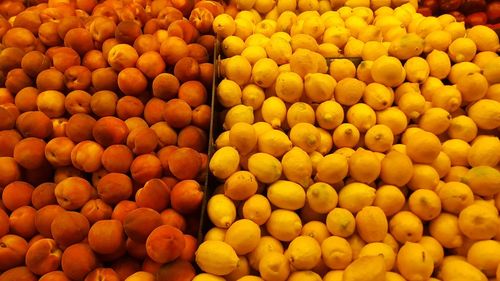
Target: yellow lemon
x,y
216,257
244,28
266,245
425,203
336,252
316,230
300,112
346,135
306,275
439,64
457,268
313,26
274,111
485,256
224,162
285,20
378,96
332,168
364,71
428,25
322,197
462,50
393,118
274,142
485,113
424,176
224,25
274,266
232,46
435,120
379,248
329,115
473,87
289,86
303,253
356,244
221,211
438,40
390,199
279,50
238,69
485,38
265,167
457,150
406,46
215,233
493,92
388,71
370,33
242,269
417,70
478,221
334,275
355,196
242,136
207,277
257,209
455,196
329,50
364,166
371,224
445,229
337,35
297,166
238,113
354,47
284,225
362,116
484,151
243,236
447,97
305,136
423,147
340,222
349,91
414,262
366,268
433,248
254,53
483,180
396,168
261,128
406,227
286,195
459,70
228,93
372,50
252,96
240,185
342,68
264,72
319,87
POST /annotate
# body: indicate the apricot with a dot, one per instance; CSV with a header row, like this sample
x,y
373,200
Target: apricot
x,y
186,197
43,195
106,236
20,273
150,28
135,122
22,221
131,81
121,209
129,106
8,115
151,64
179,270
145,167
184,29
107,45
155,195
201,116
79,39
187,69
150,265
29,20
58,151
202,19
34,62
122,56
11,58
166,134
165,86
104,79
206,74
198,52
64,58
103,274
59,127
4,222
94,59
165,244
126,267
73,192
9,169
163,154
193,137
184,163
193,92
16,80
146,43
191,244
86,5
173,49
168,15
62,173
117,158
103,103
44,218
102,28
26,99
79,127
34,124
39,175
6,96
11,8
47,33
140,222
51,103
110,130
43,256
127,31
86,156
4,26
114,187
77,77
8,141
161,35
30,153
13,248
68,23
142,140
98,175
78,260
50,79
105,10
77,101
54,276
173,218
170,181
19,37
69,228
153,111
177,113
95,210
136,249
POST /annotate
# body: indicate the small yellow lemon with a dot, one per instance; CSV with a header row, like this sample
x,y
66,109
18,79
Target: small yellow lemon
x,y
329,115
224,25
388,71
379,138
349,91
366,268
274,142
303,253
242,136
264,72
286,195
342,68
265,167
485,38
284,225
243,236
274,266
435,120
215,233
274,111
257,209
346,135
253,96
289,86
336,252
485,113
221,211
445,229
279,50
316,230
232,46
362,116
319,87
406,226
297,166
462,49
332,168
484,151
478,221
390,199
322,197
216,257
240,185
433,248
224,162
300,112
379,248
238,69
355,196
340,222
425,203
238,113
267,244
414,262
228,93
364,166
455,196
305,136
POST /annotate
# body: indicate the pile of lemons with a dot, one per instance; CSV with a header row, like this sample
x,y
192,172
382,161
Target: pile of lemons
x,y
332,170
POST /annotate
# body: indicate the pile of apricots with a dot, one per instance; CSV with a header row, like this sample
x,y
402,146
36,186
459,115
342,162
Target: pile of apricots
x,y
104,119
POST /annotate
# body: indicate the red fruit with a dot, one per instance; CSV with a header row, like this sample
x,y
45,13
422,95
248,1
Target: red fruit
x,y
458,16
479,18
425,11
493,12
450,5
473,6
431,4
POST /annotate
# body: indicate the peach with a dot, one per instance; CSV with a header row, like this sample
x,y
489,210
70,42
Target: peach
x,y
202,19
139,223
8,141
86,156
163,154
65,57
104,79
136,249
117,158
166,135
173,49
191,244
47,33
129,106
95,210
62,173
16,80
54,276
167,15
107,45
193,137
50,79
19,37
11,58
69,228
193,92
177,113
78,260
184,29
173,218
6,96
126,267
214,7
16,195
114,187
58,151
77,77
8,115
153,111
77,101
179,270
170,181
4,26
103,274
103,103
135,122
43,195
25,99
98,175
121,209
9,169
13,248
4,222
142,140
29,20
79,127
86,5
93,60
131,81
72,193
165,86
184,163
186,197
102,28
106,236
161,35
158,5
34,239
151,64
34,62
122,56
155,195
165,244
34,124
187,69
105,10
198,52
207,74
150,28
127,31
44,218
150,265
110,130
145,167
146,43
43,256
51,103
22,221
59,127
68,23
11,8
20,273
79,39
201,116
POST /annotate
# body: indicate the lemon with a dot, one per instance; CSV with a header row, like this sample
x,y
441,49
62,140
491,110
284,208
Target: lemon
x,y
274,266
484,150
279,50
274,142
435,120
216,257
274,111
319,87
257,39
371,33
425,203
329,115
349,91
371,224
254,53
316,230
333,275
438,40
221,211
459,70
473,87
215,233
493,92
286,5
483,180
414,262
355,196
305,136
428,87
457,268
380,249
228,93
303,253
242,269
238,113
407,46
354,47
257,209
342,68
284,225
417,70
386,21
388,71
366,268
264,7
378,96
289,86
265,167
326,142
207,277
224,162
322,197
337,35
363,71
428,25
304,41
372,50
297,166
329,50
252,96
324,6
412,104
306,275
267,244
491,70
286,195
346,135
406,226
250,278
483,58
355,24
240,185
285,20
249,15
224,25
242,136
244,28
264,72
243,236
232,46
435,250
261,128
332,168
485,114
340,222
300,112
462,49
308,5
485,38
439,64
393,118
313,26
379,138
361,116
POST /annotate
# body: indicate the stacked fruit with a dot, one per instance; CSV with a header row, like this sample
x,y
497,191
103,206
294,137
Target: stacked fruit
x,y
334,170
473,12
103,137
